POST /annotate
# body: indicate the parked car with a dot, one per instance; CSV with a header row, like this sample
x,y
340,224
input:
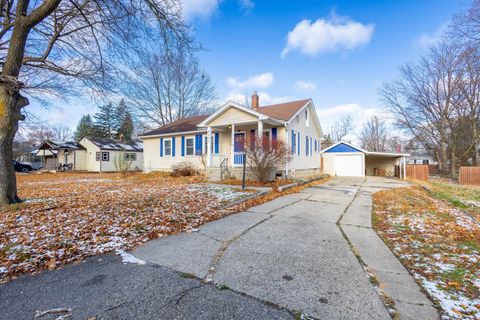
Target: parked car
x,y
22,167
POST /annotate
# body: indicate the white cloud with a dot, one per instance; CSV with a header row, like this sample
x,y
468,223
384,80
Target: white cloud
x,y
203,9
263,80
301,85
428,39
327,35
246,5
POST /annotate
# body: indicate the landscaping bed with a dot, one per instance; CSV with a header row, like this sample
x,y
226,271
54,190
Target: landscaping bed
x,y
437,241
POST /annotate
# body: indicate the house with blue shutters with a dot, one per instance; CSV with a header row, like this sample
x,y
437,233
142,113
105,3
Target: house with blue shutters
x,y
215,142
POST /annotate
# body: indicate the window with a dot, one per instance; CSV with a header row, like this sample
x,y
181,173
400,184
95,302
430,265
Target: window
x,y
425,162
105,156
167,146
307,147
307,118
189,146
206,144
297,118
131,156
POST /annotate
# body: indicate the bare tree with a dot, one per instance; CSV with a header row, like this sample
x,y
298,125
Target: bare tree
x,y
264,157
61,132
39,132
168,86
425,100
375,135
466,24
58,47
341,128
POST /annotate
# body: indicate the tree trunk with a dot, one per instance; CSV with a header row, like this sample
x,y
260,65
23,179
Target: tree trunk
x,y
443,156
11,103
453,163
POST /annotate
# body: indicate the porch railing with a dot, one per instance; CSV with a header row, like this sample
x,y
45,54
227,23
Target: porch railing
x,y
223,168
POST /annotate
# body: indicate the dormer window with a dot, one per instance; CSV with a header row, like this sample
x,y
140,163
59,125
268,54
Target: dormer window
x,y
307,118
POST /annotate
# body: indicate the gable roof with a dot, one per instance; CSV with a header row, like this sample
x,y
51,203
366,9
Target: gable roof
x,y
283,111
182,125
114,145
343,146
49,144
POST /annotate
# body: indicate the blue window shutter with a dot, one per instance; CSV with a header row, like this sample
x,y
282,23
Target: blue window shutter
x,y
183,146
274,134
293,142
173,146
161,147
217,137
298,147
198,144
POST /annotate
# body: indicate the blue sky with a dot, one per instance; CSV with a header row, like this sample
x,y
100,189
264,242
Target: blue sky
x,y
336,52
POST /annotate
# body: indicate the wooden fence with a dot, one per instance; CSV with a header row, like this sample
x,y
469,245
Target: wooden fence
x,y
418,172
469,176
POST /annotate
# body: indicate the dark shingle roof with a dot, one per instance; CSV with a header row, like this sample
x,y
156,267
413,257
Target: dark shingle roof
x,y
282,111
182,125
114,145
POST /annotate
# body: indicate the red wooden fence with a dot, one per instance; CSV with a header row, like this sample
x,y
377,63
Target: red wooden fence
x,y
469,176
418,172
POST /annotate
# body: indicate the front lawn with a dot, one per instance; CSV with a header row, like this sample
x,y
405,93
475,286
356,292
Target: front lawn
x,y
68,216
438,242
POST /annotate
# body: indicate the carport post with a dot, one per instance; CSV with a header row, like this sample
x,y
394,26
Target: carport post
x,y
404,168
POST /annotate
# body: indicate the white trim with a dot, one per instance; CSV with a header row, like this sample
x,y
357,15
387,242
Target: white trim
x,y
228,105
194,146
344,142
165,149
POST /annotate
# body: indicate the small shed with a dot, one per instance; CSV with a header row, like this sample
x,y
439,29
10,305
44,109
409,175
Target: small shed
x,y
347,160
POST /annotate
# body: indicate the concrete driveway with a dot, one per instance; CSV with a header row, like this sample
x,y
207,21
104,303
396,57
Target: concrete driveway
x,y
297,252
292,255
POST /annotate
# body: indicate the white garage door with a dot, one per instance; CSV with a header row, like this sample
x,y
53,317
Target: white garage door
x,y
348,165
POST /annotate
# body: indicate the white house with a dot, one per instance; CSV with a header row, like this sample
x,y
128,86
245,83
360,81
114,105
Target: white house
x,y
90,154
216,141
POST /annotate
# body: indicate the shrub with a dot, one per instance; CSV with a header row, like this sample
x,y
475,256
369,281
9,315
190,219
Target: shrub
x,y
184,169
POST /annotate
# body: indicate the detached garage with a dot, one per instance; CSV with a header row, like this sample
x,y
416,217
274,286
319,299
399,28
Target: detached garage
x,y
346,160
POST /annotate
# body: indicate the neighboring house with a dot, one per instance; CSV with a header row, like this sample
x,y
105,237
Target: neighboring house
x,y
345,159
55,154
90,154
419,154
103,154
212,141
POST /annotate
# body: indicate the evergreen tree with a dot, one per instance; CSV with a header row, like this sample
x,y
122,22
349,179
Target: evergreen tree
x,y
125,132
124,122
85,128
106,121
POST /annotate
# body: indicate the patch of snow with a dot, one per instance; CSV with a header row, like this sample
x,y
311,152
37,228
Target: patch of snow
x,y
128,258
3,270
452,301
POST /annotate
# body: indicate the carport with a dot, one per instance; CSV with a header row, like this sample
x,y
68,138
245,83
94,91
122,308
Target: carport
x,y
345,159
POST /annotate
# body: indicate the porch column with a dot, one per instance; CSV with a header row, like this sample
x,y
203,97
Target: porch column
x,y
209,146
260,129
404,168
232,146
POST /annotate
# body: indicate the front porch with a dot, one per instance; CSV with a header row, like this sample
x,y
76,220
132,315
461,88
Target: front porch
x,y
226,156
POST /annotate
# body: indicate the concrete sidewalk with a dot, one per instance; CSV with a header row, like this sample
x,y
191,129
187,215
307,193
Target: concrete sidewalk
x,y
291,252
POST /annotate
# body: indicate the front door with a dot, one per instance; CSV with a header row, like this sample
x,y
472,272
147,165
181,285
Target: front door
x,y
238,148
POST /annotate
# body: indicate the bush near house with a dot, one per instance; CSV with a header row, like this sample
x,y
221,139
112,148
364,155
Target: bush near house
x,y
184,169
265,157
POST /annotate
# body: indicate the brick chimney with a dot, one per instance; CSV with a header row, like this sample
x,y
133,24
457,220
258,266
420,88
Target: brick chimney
x,y
255,101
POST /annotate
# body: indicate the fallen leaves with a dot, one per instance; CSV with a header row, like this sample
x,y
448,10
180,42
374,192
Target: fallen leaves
x,y
438,242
